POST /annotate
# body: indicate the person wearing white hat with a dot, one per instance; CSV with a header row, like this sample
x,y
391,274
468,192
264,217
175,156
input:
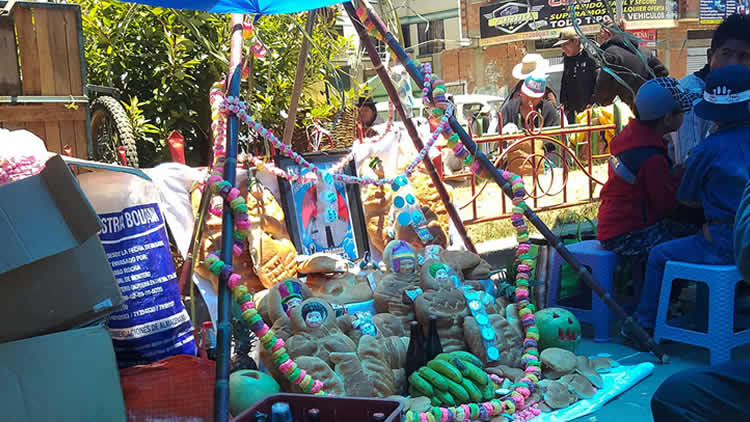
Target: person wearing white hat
x,y
531,98
531,63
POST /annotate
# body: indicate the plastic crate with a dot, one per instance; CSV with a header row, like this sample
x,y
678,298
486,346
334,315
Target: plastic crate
x,y
332,409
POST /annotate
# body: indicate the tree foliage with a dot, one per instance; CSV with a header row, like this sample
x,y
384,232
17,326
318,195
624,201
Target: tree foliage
x,y
165,61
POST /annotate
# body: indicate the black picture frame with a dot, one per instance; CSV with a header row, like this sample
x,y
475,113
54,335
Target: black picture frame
x,y
295,200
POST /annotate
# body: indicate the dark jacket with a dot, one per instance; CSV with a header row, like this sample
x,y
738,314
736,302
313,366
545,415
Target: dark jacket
x,y
622,59
578,83
655,190
511,113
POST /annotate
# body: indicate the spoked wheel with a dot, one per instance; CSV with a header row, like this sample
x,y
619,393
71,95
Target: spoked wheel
x,y
112,132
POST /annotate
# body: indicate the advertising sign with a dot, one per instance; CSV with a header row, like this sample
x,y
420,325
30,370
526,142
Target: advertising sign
x,y
712,12
514,20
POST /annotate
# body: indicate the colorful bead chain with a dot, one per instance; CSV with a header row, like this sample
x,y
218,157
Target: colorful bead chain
x,y
266,335
236,106
221,105
523,389
512,405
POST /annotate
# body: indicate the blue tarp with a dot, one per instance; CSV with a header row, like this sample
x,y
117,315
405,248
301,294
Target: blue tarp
x,y
265,7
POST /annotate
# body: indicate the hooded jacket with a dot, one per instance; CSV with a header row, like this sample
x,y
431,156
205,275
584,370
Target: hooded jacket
x,y
629,207
623,59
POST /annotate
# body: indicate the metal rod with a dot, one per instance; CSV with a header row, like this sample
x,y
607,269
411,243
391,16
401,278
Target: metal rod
x,y
506,187
79,162
393,95
186,273
224,320
21,99
298,80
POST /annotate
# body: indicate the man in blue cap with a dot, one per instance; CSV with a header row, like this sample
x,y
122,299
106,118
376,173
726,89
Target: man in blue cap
x,y
716,174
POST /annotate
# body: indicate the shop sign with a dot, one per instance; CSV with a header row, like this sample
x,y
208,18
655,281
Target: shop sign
x,y
712,12
647,37
514,20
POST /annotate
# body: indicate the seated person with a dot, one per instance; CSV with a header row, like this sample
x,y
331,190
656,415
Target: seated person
x,y
730,44
531,99
681,397
530,63
641,191
716,174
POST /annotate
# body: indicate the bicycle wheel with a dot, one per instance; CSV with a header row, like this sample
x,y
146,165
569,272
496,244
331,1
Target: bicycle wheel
x,y
111,129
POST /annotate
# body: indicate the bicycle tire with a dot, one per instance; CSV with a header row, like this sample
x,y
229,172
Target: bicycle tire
x,y
106,110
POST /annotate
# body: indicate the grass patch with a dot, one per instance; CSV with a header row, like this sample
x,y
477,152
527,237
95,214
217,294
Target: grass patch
x,y
501,229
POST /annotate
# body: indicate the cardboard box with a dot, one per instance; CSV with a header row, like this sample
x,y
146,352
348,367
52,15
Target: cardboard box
x,y
54,274
67,376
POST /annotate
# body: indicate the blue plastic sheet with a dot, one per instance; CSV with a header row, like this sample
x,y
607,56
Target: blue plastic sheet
x,y
264,7
616,382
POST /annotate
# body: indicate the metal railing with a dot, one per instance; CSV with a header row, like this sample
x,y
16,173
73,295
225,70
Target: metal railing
x,y
549,171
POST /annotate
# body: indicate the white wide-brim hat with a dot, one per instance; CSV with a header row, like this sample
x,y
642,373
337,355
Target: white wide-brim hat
x,y
530,63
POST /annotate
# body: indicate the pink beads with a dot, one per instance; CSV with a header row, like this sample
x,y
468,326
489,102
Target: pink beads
x,y
262,331
286,366
248,305
234,281
279,344
317,386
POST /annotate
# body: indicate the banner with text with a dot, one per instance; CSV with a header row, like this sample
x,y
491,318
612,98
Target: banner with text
x,y
513,20
712,12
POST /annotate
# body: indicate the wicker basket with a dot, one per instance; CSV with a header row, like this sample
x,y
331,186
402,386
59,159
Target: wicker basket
x,y
343,133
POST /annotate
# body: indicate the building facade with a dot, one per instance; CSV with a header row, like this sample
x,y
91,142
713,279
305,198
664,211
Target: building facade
x,y
679,35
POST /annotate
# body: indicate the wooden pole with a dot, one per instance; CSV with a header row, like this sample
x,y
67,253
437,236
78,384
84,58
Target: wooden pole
x,y
505,185
298,80
393,95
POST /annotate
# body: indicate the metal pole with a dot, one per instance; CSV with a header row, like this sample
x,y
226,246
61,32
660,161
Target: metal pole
x,y
393,95
506,187
224,320
298,80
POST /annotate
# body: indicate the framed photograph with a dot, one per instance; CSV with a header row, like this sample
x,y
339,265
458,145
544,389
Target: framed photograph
x,y
310,231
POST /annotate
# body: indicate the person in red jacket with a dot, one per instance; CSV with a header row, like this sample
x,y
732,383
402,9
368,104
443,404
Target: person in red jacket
x,y
641,191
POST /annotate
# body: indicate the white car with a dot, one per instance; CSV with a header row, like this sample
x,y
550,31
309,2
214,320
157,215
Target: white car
x,y
466,106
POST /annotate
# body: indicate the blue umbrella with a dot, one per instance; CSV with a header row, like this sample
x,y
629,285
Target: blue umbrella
x,y
263,7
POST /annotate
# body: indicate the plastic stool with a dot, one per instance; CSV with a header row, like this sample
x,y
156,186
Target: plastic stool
x,y
602,263
721,281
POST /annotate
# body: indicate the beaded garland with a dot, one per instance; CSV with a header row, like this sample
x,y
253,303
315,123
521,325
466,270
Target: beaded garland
x,y
516,400
221,105
236,106
530,359
442,110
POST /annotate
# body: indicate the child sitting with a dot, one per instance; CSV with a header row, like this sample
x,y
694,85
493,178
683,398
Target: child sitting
x,y
641,191
716,174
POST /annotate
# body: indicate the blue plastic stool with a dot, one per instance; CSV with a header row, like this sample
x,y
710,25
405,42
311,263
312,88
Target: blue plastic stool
x,y
602,263
721,281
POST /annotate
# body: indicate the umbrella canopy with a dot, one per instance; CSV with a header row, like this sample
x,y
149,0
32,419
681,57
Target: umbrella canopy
x,y
264,7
